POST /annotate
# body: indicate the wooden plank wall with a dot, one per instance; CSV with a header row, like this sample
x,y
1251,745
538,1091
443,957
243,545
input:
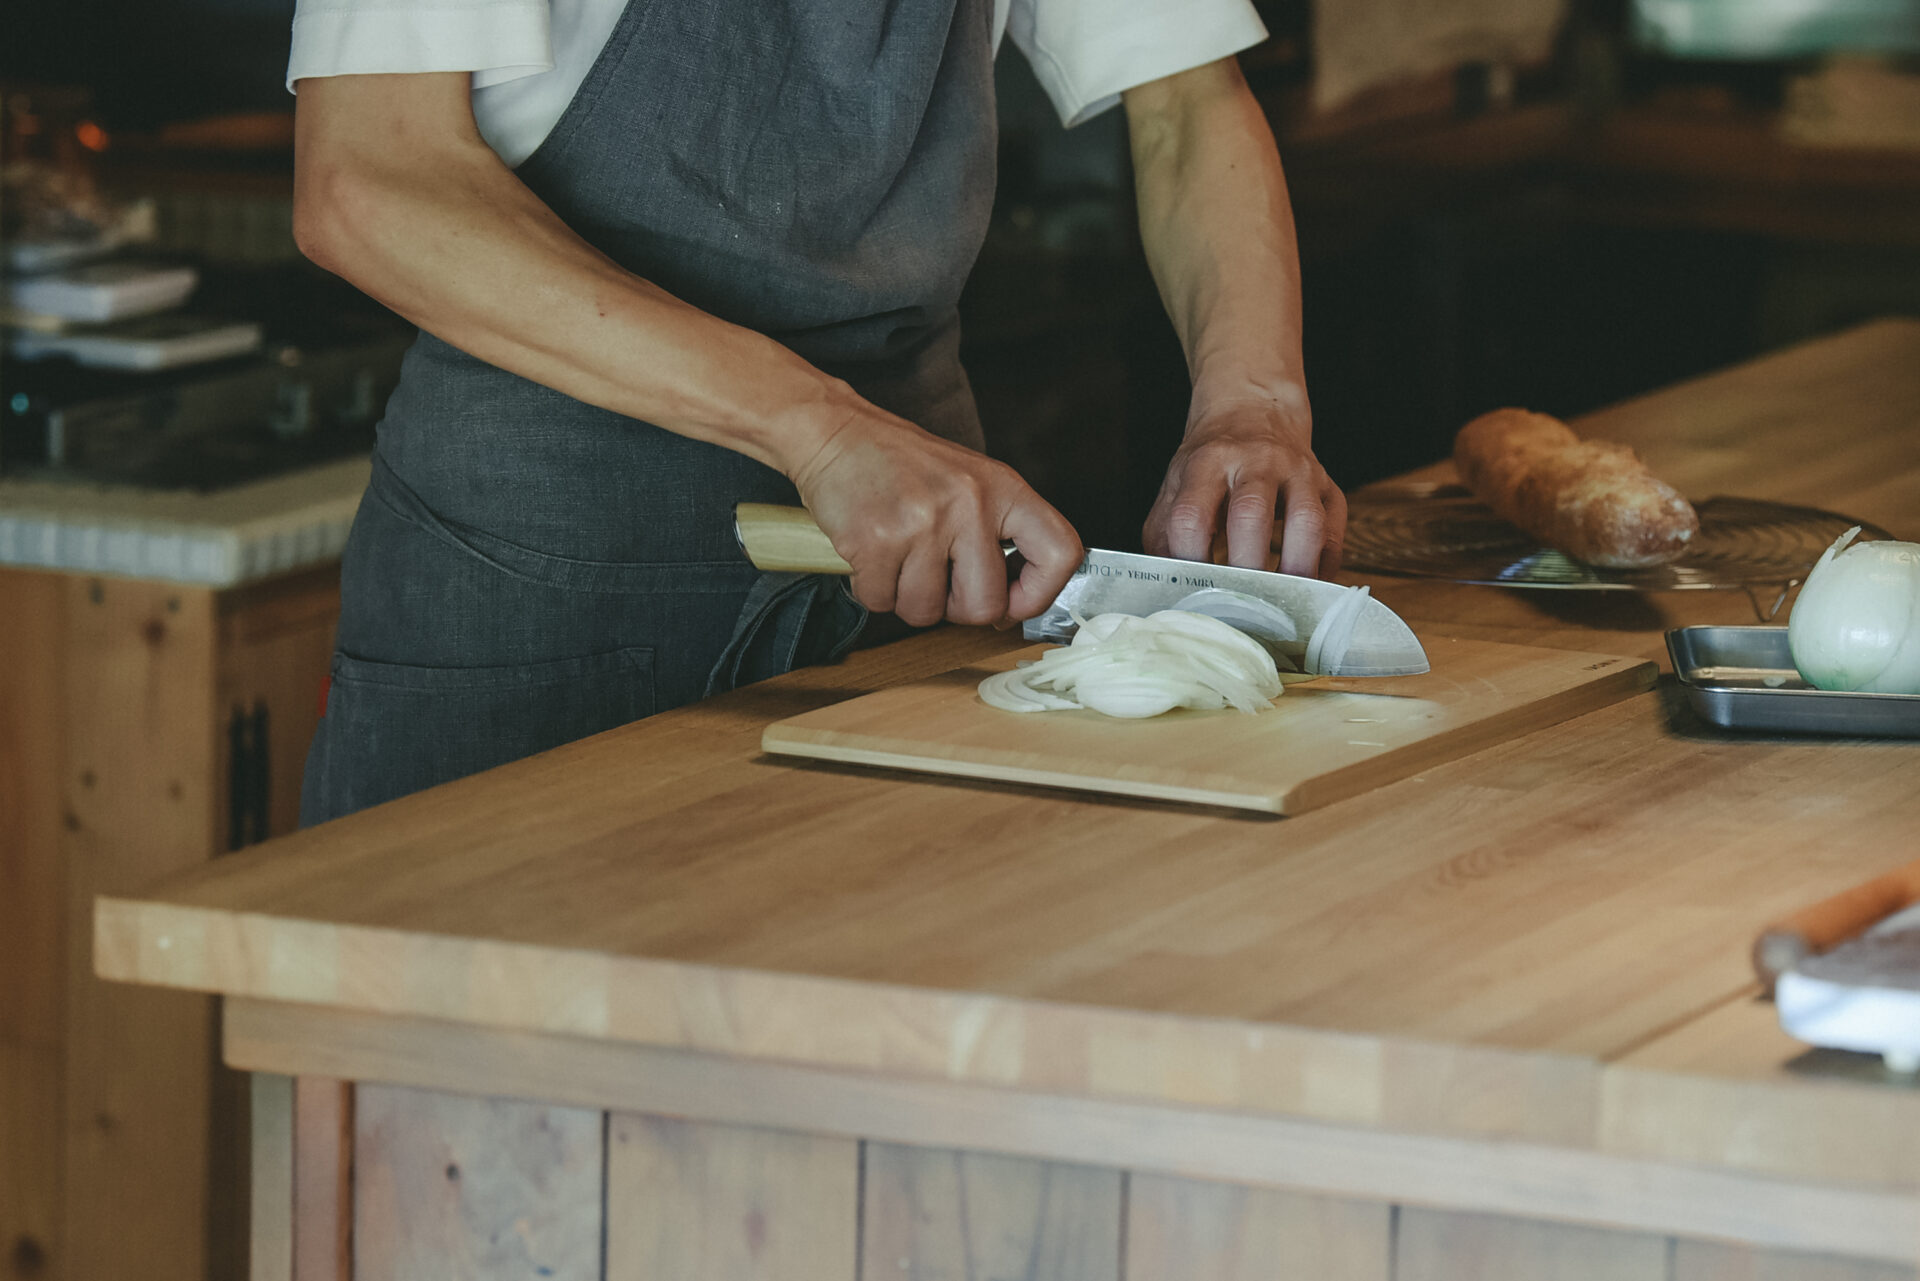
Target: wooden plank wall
x,y
106,784
32,928
121,1147
138,777
445,1186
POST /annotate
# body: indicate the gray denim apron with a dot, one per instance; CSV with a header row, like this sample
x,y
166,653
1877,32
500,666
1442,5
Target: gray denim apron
x,y
526,569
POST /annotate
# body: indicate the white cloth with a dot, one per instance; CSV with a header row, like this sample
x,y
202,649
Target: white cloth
x,y
529,57
1875,1010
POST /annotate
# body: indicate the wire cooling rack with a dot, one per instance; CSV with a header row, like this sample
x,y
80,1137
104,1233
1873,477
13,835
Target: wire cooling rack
x,y
1443,532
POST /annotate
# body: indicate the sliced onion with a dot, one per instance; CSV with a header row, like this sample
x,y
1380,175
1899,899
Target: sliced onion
x,y
1125,666
1009,692
1133,696
1327,648
1262,620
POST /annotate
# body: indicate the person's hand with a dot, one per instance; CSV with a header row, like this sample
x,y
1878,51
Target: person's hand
x,y
920,519
1239,460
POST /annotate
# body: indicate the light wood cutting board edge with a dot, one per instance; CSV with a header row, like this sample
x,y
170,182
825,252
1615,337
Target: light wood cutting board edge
x,y
1633,676
824,746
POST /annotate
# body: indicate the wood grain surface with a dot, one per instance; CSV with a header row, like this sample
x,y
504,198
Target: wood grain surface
x,y
944,1215
1473,950
1565,1181
1730,1087
701,1202
1714,1261
323,1135
33,923
447,1188
1181,1229
1436,1246
138,768
270,1165
276,642
1322,741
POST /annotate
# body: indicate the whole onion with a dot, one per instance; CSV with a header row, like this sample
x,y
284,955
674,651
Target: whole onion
x,y
1856,625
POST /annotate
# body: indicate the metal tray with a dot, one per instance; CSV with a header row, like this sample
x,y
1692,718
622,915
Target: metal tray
x,y
1744,678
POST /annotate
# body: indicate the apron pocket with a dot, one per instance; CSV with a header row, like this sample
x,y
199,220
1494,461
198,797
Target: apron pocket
x,y
394,728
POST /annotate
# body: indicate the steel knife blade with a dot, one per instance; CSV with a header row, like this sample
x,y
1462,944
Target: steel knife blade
x,y
1108,582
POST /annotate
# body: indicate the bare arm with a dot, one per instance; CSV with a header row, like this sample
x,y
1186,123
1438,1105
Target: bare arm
x,y
1219,237
396,191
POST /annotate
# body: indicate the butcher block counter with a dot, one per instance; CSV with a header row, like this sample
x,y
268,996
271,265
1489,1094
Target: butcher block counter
x,y
656,1004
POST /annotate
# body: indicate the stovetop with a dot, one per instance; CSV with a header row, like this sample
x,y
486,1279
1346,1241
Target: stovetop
x,y
312,394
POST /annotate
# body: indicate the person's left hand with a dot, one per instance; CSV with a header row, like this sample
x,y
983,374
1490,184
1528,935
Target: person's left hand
x,y
1239,459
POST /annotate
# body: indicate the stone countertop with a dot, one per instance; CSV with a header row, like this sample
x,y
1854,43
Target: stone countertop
x,y
221,539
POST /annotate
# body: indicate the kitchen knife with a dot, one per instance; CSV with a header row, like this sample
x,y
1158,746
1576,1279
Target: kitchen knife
x,y
788,539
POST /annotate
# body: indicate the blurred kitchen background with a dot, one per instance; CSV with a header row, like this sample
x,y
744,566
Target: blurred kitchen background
x,y
1554,203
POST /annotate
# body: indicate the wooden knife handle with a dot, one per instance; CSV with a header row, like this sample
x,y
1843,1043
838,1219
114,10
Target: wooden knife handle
x,y
785,539
1832,921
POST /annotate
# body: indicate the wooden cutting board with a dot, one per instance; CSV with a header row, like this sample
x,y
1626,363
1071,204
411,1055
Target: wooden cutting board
x,y
1322,741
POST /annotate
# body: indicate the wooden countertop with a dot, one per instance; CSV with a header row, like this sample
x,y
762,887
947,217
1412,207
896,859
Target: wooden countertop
x,y
221,539
1544,941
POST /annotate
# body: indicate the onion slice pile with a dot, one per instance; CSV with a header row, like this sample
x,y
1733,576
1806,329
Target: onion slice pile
x,y
1327,648
1126,666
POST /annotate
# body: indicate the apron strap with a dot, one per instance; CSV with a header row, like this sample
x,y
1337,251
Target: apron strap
x,y
787,621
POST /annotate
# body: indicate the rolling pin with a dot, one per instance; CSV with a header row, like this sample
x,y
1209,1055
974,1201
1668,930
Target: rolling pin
x,y
1812,930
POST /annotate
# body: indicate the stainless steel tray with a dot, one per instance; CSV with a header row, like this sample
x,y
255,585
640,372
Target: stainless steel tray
x,y
1744,678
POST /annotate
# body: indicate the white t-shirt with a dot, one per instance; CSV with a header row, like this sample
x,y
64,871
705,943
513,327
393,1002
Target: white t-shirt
x,y
528,57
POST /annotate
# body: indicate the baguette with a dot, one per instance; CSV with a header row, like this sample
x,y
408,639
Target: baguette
x,y
1594,500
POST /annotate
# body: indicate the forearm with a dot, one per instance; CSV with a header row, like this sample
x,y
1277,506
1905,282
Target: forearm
x,y
396,191
1218,231
434,226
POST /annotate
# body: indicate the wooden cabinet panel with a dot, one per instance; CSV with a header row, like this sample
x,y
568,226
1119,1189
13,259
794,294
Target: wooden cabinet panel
x,y
1181,1229
276,641
32,924
1711,1261
30,1150
473,1189
461,1186
270,1164
930,1214
1433,1245
696,1201
321,1173
138,768
122,1151
275,644
32,613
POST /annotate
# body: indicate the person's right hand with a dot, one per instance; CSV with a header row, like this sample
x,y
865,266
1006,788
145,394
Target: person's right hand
x,y
920,519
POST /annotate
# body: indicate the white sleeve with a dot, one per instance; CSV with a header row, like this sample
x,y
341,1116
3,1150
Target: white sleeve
x,y
497,40
1086,52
